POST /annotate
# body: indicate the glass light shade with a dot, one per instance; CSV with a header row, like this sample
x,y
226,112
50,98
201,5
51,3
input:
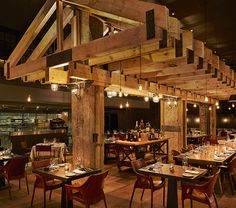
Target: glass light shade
x,y
114,93
206,99
146,99
54,87
29,98
109,94
126,94
175,102
120,94
155,99
140,87
168,102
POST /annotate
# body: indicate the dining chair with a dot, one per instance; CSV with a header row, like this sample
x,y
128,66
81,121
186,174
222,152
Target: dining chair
x,y
145,181
231,173
43,151
15,170
90,192
201,192
43,182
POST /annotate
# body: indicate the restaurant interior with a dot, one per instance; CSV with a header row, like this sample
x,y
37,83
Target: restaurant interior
x,y
101,100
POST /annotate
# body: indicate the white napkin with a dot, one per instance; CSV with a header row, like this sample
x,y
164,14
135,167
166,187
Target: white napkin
x,y
192,171
78,171
218,158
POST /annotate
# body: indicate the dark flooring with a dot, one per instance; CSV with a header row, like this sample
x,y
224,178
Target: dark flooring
x,y
118,188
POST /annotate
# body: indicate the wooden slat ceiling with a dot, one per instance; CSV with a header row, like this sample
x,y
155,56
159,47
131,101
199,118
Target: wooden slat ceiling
x,y
172,62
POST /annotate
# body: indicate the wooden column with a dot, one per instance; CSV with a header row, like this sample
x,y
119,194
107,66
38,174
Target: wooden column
x,y
204,118
88,126
184,122
60,35
213,121
172,124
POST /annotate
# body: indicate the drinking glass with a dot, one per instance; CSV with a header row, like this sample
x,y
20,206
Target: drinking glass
x,y
185,163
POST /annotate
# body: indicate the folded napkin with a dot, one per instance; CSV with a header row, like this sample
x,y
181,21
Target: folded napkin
x,y
192,171
218,158
78,171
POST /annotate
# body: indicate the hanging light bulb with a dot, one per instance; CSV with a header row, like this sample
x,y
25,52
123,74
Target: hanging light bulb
x,y
146,99
127,104
168,102
29,98
229,108
218,107
126,94
175,103
233,105
54,87
121,105
195,105
109,94
206,99
210,108
120,94
217,103
155,99
140,87
187,109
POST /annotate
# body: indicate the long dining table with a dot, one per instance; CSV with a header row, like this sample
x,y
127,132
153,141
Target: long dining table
x,y
177,173
210,155
66,176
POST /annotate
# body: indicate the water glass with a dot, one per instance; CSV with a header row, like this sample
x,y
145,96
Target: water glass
x,y
185,163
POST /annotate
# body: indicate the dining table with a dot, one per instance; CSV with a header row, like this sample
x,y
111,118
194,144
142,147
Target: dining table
x,y
173,173
58,149
212,156
66,173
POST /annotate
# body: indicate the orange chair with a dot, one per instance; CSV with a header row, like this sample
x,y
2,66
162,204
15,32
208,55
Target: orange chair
x,y
146,181
203,193
46,183
15,170
91,192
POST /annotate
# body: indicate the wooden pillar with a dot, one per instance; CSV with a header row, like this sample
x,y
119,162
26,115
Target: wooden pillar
x,y
204,118
172,120
60,36
184,122
213,121
88,126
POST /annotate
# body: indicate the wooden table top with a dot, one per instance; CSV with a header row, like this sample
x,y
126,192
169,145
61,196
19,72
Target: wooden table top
x,y
210,154
8,157
141,143
60,173
163,170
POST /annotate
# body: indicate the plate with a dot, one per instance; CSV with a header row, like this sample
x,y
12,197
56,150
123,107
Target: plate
x,y
187,175
61,165
70,174
79,171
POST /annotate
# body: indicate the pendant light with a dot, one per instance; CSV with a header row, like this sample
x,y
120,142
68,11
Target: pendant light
x,y
120,92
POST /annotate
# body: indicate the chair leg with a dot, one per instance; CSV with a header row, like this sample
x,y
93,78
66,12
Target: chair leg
x,y
215,200
182,203
104,199
142,194
164,195
191,202
44,198
26,181
50,195
231,184
32,199
132,197
151,198
9,189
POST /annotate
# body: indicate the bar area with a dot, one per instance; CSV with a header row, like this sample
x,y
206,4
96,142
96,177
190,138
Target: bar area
x,y
114,103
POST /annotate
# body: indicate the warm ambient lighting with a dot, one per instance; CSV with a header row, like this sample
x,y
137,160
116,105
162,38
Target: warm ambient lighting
x,y
140,87
146,99
59,65
54,87
29,98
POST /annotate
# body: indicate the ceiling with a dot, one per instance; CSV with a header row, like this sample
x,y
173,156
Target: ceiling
x,y
213,22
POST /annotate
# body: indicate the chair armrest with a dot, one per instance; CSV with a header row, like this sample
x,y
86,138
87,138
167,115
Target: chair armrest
x,y
145,178
200,187
70,188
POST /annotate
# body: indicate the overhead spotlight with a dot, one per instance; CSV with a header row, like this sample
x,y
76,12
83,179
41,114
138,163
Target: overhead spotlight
x,y
54,87
29,98
195,105
146,99
127,104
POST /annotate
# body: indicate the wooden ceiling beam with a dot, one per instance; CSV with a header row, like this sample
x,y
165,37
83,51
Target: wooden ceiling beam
x,y
35,27
131,12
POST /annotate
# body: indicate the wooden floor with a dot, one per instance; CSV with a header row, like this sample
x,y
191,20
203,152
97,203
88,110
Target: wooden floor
x,y
118,189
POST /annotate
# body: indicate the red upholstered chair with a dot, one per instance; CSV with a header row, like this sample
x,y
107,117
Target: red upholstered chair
x,y
90,192
15,170
203,193
146,181
46,183
43,152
